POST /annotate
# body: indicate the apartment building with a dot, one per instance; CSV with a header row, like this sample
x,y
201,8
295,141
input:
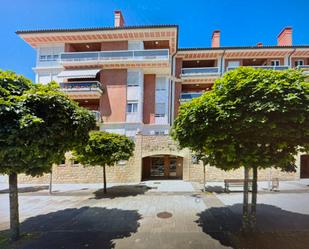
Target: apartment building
x,y
134,78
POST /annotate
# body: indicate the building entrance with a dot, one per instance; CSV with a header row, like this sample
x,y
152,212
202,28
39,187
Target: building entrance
x,y
162,167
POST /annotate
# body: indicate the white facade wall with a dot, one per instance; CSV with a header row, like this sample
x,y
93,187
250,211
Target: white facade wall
x,y
162,100
135,95
47,63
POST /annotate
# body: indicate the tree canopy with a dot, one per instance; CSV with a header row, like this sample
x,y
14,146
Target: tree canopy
x,y
38,125
104,149
251,117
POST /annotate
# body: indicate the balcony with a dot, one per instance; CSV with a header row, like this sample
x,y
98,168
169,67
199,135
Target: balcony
x,y
200,71
82,90
277,68
120,56
185,97
305,68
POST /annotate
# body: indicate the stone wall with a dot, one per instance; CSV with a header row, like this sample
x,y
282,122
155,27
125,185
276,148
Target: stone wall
x,y
131,171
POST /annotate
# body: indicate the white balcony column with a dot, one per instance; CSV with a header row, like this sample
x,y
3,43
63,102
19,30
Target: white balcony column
x,y
286,61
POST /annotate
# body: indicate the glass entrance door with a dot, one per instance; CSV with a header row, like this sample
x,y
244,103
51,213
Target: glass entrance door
x,y
172,167
157,166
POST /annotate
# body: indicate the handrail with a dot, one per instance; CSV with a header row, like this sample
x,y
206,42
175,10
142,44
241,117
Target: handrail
x,y
116,54
283,67
200,70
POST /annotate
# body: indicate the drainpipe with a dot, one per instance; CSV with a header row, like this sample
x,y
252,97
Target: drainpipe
x,y
289,58
172,89
221,63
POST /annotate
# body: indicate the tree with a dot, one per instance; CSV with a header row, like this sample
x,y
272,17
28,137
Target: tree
x,y
38,125
252,118
104,149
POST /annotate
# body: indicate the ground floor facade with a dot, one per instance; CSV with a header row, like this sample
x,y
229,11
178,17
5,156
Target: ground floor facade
x,y
157,157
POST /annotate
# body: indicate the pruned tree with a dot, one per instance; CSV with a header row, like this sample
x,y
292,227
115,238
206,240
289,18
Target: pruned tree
x,y
38,125
104,149
252,118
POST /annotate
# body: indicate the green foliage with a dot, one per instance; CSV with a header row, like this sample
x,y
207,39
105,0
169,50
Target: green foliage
x,y
104,149
252,118
38,125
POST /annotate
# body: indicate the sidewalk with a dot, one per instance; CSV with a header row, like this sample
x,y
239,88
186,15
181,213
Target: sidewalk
x,y
263,186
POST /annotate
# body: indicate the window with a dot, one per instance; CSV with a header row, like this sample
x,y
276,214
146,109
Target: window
x,y
275,63
160,84
133,79
131,107
49,57
299,63
160,110
159,133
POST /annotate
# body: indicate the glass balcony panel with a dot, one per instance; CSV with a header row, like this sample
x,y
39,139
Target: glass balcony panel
x,y
115,55
110,55
263,67
201,70
184,97
79,56
89,85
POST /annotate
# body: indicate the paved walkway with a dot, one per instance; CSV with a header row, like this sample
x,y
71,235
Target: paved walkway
x,y
155,214
127,217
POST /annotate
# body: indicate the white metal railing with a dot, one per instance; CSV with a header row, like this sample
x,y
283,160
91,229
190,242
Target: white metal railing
x,y
184,97
200,71
148,54
305,67
263,67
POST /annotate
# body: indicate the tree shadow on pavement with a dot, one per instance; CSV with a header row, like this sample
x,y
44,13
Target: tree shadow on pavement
x,y
276,228
121,191
26,189
86,227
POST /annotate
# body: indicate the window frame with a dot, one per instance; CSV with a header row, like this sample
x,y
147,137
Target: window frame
x,y
131,110
275,63
299,60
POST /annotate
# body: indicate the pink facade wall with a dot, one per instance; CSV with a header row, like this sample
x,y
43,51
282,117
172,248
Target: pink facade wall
x,y
114,100
149,98
114,45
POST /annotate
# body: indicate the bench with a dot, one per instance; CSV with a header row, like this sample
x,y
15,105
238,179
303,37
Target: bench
x,y
236,183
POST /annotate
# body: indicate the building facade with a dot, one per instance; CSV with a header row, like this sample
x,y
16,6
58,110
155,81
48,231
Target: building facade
x,y
134,78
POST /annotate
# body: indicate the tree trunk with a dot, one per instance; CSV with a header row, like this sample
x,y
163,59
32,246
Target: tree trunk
x,y
254,199
204,177
245,211
51,182
14,215
104,180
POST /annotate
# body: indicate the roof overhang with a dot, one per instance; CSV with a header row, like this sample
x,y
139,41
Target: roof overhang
x,y
144,33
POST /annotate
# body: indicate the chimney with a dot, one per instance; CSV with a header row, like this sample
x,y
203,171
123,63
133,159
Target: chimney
x,y
215,39
118,19
285,37
259,44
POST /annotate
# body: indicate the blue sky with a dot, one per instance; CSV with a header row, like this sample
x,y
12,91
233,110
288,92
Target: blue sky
x,y
242,22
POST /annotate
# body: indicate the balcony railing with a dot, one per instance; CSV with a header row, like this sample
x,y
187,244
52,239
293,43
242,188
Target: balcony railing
x,y
263,67
97,115
305,68
120,55
81,86
200,71
184,97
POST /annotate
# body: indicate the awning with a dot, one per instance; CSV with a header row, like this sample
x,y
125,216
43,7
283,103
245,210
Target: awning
x,y
86,73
